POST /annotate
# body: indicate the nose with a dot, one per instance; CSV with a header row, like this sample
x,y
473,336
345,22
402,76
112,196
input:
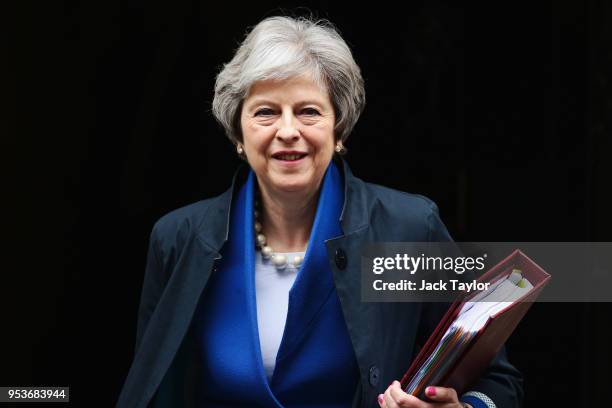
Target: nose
x,y
288,127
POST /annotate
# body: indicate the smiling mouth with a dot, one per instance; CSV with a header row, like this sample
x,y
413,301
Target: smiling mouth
x,y
289,157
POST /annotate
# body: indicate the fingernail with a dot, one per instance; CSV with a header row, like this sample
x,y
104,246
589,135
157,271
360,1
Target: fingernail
x,y
431,391
396,382
380,399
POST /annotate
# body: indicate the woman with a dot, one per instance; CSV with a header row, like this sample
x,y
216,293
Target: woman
x,y
252,298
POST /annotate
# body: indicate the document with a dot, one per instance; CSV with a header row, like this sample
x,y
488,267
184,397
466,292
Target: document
x,y
473,330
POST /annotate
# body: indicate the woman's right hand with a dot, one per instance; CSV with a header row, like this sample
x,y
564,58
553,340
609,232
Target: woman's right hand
x,y
442,397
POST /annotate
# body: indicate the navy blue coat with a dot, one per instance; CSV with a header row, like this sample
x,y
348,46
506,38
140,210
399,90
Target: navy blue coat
x,y
183,250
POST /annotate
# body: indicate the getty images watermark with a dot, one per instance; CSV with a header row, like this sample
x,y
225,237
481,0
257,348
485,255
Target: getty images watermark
x,y
441,272
421,264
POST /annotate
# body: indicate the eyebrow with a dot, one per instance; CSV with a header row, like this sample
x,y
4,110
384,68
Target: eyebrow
x,y
264,101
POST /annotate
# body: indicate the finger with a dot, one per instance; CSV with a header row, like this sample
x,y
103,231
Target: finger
x,y
441,394
389,400
404,400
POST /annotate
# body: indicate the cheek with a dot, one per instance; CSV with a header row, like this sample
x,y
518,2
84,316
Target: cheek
x,y
255,140
328,145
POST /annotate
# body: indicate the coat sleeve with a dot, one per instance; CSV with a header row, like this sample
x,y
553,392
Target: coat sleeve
x,y
152,287
501,382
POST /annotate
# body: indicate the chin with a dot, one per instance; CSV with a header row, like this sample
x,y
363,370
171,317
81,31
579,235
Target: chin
x,y
291,187
292,184
302,181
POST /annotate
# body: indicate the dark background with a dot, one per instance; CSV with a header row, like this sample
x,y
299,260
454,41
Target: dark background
x,y
500,113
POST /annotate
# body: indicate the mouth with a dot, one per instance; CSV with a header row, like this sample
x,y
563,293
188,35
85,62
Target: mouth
x,y
289,156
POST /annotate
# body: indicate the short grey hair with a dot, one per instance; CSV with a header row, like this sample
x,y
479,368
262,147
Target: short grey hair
x,y
283,47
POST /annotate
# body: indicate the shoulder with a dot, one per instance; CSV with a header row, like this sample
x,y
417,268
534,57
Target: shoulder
x,y
401,202
179,226
403,216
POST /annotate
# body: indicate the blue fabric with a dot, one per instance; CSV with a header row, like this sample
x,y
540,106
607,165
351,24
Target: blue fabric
x,y
315,365
473,401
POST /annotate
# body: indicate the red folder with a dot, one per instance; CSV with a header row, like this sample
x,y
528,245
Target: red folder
x,y
469,366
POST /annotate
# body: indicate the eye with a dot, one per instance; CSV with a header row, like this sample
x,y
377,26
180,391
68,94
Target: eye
x,y
310,112
264,112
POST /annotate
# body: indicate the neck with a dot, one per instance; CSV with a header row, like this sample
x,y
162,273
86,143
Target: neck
x,y
287,219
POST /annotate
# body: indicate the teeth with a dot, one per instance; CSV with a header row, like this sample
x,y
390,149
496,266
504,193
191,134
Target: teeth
x,y
289,156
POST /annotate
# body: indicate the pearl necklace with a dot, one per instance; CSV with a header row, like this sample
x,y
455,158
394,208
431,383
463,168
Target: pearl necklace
x,y
279,260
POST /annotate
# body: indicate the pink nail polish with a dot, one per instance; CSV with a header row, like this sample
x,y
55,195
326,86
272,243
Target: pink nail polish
x,y
431,391
380,399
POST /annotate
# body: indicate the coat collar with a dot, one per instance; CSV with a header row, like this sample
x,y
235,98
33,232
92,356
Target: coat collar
x,y
355,210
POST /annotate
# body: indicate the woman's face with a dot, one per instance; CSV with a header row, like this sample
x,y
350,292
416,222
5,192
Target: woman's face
x,y
288,134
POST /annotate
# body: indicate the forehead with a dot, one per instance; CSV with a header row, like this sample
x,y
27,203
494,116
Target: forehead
x,y
291,89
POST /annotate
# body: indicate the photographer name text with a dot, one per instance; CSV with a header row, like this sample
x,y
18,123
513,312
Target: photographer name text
x,y
425,286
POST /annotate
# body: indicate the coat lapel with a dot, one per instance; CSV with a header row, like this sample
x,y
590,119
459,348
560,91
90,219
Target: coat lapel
x,y
226,322
314,283
359,316
174,312
368,323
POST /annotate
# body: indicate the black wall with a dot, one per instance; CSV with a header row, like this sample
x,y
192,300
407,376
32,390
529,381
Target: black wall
x,y
499,113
